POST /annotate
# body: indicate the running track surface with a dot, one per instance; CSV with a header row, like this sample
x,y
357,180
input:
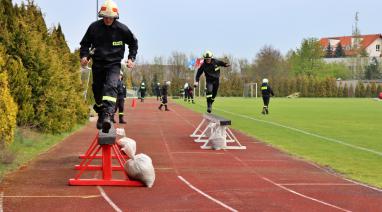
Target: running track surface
x,y
188,178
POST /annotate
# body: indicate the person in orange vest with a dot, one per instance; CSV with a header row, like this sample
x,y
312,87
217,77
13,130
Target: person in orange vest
x,y
107,38
266,92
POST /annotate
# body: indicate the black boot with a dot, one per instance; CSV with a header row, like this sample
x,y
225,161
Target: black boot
x,y
160,107
166,109
263,112
99,121
266,110
121,121
209,107
106,124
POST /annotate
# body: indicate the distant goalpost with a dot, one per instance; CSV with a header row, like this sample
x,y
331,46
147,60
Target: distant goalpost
x,y
250,90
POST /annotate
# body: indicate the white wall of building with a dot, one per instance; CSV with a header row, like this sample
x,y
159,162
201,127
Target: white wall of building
x,y
372,49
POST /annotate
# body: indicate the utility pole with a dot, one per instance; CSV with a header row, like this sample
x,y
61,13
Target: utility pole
x,y
356,46
97,11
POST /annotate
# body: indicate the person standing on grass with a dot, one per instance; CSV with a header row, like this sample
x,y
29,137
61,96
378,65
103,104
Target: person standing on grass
x,y
211,70
185,95
190,94
266,92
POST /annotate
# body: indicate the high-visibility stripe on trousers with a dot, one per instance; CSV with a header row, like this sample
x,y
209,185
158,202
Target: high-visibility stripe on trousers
x,y
105,80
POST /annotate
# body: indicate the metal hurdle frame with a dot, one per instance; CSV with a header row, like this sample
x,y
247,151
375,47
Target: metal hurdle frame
x,y
211,125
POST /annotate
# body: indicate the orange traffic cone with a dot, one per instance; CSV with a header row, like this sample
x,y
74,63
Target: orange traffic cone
x,y
134,103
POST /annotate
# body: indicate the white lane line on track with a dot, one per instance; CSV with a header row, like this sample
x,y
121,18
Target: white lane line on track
x,y
53,196
305,132
287,189
280,186
1,201
317,184
217,153
184,180
108,200
307,197
206,195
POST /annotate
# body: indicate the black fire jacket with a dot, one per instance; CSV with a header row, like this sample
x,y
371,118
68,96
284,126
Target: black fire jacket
x,y
266,90
109,42
211,71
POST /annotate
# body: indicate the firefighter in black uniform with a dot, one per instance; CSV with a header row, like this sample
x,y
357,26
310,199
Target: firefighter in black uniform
x,y
266,92
120,99
157,91
164,92
190,94
185,91
211,69
142,91
108,38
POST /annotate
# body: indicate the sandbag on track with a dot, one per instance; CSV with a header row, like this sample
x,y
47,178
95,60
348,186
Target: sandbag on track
x,y
141,168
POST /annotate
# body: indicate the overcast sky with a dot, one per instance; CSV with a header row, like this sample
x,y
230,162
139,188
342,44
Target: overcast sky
x,y
236,27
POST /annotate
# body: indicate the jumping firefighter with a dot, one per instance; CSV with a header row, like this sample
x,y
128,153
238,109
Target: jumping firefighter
x,y
164,92
157,91
120,100
211,69
266,92
108,37
142,91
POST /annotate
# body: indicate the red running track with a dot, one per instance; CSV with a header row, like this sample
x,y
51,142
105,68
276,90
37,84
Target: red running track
x,y
188,178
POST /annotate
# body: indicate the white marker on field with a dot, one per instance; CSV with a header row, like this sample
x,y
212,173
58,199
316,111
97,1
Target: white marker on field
x,y
305,132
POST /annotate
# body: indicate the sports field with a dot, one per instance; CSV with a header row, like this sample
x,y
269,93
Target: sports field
x,y
344,135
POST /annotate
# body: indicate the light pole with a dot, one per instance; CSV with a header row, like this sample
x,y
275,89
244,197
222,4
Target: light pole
x,y
97,11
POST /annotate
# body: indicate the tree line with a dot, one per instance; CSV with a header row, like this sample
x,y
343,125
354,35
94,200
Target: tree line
x,y
301,70
39,76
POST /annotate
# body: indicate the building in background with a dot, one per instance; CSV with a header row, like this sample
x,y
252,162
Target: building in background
x,y
371,44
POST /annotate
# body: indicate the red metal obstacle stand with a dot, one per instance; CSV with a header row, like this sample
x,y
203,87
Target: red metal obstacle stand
x,y
87,155
106,142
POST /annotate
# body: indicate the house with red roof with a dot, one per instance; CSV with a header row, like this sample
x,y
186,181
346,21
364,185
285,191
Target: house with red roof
x,y
372,44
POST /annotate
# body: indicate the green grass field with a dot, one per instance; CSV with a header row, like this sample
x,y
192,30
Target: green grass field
x,y
343,134
27,145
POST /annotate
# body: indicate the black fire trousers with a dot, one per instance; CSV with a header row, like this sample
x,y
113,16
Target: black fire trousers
x,y
212,90
266,100
120,106
105,79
